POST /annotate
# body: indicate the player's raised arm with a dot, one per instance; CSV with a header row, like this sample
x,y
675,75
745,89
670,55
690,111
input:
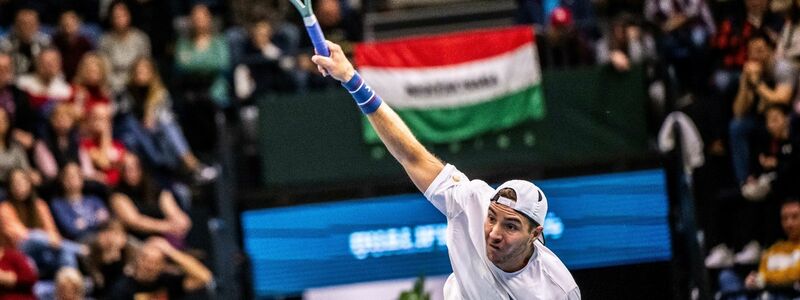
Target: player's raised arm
x,y
420,164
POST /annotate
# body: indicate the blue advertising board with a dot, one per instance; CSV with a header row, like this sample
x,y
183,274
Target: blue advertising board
x,y
593,221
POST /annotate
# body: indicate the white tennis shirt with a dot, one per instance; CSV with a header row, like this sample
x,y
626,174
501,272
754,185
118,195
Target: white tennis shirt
x,y
465,203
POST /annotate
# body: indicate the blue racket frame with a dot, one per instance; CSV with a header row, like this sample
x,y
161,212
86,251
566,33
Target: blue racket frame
x,y
312,26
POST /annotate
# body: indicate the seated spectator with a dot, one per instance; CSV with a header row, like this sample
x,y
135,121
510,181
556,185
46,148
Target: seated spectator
x,y
149,127
146,209
70,285
778,165
765,80
27,223
15,102
263,66
47,86
71,43
25,42
789,41
202,59
110,251
122,44
687,26
563,44
90,85
78,216
150,275
59,144
12,155
779,269
17,274
624,44
201,63
105,153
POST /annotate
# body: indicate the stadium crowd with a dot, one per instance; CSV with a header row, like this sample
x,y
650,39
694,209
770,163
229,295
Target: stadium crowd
x,y
96,170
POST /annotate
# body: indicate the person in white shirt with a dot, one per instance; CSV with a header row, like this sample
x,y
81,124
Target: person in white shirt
x,y
494,236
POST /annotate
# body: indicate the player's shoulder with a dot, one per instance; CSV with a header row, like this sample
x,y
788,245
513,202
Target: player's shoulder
x,y
555,270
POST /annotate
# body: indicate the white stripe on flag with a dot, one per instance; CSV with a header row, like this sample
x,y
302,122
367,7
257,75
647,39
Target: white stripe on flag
x,y
456,85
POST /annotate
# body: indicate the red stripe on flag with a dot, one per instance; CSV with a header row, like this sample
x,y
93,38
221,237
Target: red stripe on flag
x,y
442,50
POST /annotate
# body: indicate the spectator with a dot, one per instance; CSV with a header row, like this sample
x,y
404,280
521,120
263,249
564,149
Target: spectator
x,y
779,269
686,26
624,44
70,285
203,58
765,79
59,144
777,165
202,61
47,86
71,43
25,42
263,66
28,224
122,45
564,45
730,43
789,41
343,27
17,274
91,84
109,253
15,102
78,216
149,274
105,153
148,125
146,209
12,155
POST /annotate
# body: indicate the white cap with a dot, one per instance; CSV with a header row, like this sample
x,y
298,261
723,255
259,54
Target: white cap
x,y
530,201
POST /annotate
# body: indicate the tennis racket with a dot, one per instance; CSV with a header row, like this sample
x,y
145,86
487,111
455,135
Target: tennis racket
x,y
312,26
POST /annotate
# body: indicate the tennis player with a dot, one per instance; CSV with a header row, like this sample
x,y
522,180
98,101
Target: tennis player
x,y
494,236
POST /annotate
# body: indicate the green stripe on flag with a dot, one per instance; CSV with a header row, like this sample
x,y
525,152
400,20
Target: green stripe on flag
x,y
447,125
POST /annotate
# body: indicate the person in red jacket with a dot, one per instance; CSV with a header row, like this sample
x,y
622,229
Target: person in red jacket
x,y
17,274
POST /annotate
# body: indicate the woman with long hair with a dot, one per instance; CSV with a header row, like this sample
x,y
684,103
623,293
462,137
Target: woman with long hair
x,y
27,224
12,155
146,209
91,83
148,125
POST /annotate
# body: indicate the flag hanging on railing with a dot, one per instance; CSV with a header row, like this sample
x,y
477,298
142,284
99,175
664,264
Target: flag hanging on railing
x,y
453,87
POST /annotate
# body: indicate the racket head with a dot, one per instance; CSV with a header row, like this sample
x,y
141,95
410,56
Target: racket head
x,y
303,7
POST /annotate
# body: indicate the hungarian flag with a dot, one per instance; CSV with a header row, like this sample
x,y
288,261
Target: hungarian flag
x,y
453,87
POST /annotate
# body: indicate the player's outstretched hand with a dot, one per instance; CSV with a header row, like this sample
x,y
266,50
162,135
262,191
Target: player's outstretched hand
x,y
337,65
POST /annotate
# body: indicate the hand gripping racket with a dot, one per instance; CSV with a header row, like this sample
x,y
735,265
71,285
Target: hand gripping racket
x,y
312,26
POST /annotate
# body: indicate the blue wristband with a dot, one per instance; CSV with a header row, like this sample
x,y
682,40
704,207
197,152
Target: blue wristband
x,y
366,98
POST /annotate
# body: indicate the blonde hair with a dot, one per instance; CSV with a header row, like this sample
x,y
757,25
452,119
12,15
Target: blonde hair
x,y
156,91
92,57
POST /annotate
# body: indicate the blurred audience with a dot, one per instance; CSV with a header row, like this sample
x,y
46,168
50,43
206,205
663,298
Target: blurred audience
x,y
15,102
17,274
12,155
149,128
146,209
71,42
160,271
78,216
25,42
28,225
122,44
47,86
91,84
110,252
105,153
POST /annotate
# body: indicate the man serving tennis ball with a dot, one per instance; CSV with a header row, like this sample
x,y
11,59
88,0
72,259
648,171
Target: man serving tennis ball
x,y
494,236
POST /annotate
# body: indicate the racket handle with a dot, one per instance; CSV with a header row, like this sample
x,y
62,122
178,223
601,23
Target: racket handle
x,y
316,35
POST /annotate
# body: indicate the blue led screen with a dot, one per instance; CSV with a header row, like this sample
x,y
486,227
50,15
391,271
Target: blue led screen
x,y
593,221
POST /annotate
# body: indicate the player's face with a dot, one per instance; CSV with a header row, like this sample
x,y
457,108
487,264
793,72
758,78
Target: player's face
x,y
508,236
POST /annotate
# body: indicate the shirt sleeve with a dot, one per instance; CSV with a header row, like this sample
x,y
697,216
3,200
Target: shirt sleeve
x,y
574,294
449,191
